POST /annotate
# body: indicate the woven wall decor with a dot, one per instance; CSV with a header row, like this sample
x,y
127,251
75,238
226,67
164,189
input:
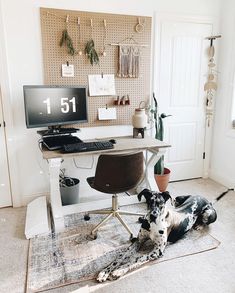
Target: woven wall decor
x,y
129,61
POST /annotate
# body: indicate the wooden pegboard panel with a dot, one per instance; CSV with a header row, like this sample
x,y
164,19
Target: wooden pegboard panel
x,y
119,27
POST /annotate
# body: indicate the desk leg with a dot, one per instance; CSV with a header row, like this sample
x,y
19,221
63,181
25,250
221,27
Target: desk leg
x,y
148,181
55,198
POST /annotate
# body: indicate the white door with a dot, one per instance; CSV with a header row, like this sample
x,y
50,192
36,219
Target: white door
x,y
181,77
5,190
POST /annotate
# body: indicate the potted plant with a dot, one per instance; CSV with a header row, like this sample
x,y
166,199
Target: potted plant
x,y
69,189
161,173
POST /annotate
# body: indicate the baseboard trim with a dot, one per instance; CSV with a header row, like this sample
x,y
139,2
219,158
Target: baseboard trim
x,y
29,198
221,179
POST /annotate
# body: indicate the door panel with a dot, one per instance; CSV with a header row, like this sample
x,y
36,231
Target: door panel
x,y
183,136
182,74
184,85
5,191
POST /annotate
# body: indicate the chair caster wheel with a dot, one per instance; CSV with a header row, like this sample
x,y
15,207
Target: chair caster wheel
x,y
87,217
134,239
141,219
92,236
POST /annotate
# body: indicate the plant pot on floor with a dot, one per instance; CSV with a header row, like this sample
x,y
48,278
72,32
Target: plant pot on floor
x,y
163,180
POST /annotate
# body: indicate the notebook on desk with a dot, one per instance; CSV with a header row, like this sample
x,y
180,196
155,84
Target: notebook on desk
x,y
56,142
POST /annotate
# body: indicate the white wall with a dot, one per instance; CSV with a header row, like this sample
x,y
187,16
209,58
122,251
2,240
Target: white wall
x,y
223,155
24,58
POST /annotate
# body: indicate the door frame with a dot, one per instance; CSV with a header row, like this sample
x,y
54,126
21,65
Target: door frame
x,y
6,201
164,17
8,118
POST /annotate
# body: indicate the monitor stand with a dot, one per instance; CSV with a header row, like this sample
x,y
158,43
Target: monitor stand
x,y
57,130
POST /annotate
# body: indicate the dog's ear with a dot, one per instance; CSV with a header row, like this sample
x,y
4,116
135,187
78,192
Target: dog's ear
x,y
143,192
166,195
147,194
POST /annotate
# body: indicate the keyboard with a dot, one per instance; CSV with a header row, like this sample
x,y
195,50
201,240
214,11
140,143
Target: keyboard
x,y
56,142
87,146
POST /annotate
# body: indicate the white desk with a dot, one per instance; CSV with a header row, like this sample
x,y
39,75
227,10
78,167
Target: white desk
x,y
154,150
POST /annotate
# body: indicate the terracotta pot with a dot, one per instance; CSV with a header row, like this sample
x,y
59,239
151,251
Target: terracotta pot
x,y
163,180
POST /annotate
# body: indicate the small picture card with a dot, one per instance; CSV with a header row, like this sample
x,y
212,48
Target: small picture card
x,y
107,113
101,85
67,70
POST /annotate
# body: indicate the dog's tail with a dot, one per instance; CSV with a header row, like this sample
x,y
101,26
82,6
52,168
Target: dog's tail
x,y
223,194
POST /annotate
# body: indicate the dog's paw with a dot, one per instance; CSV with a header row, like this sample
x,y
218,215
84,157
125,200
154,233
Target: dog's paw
x,y
103,276
118,273
91,236
112,278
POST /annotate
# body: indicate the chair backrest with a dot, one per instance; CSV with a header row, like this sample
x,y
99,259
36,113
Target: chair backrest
x,y
119,172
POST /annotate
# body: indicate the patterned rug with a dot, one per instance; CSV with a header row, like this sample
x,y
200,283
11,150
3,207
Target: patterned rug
x,y
60,259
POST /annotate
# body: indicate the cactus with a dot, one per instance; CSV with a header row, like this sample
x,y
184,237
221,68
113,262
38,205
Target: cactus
x,y
159,134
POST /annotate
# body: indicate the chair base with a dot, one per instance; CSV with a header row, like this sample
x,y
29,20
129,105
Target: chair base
x,y
114,212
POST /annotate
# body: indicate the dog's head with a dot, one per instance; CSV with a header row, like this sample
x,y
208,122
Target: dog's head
x,y
155,202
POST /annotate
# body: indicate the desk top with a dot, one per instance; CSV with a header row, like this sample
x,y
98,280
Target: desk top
x,y
125,143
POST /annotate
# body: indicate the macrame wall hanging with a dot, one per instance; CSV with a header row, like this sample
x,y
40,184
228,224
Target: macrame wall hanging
x,y
210,86
129,57
129,61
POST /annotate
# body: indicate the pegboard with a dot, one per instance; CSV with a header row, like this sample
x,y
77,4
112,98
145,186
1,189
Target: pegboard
x,y
118,28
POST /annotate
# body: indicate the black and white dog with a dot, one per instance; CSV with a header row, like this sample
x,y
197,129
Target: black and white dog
x,y
161,225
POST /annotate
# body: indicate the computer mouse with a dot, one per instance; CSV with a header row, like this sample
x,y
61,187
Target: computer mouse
x,y
113,141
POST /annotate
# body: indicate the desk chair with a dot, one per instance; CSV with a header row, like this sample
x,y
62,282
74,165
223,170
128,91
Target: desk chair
x,y
116,174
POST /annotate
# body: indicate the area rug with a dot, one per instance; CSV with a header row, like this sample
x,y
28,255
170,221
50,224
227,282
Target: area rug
x,y
72,256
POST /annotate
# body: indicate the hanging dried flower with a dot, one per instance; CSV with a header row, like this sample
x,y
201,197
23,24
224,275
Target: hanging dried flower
x,y
91,52
66,39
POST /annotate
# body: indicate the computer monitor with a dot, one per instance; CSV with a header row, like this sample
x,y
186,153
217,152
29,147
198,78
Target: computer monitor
x,y
54,106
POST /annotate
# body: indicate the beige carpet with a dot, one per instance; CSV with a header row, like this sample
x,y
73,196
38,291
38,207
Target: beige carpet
x,y
69,257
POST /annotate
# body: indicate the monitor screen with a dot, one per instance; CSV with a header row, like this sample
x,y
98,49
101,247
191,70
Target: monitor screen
x,y
54,105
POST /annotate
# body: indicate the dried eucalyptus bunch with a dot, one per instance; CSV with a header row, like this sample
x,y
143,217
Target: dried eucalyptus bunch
x,y
91,52
66,39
